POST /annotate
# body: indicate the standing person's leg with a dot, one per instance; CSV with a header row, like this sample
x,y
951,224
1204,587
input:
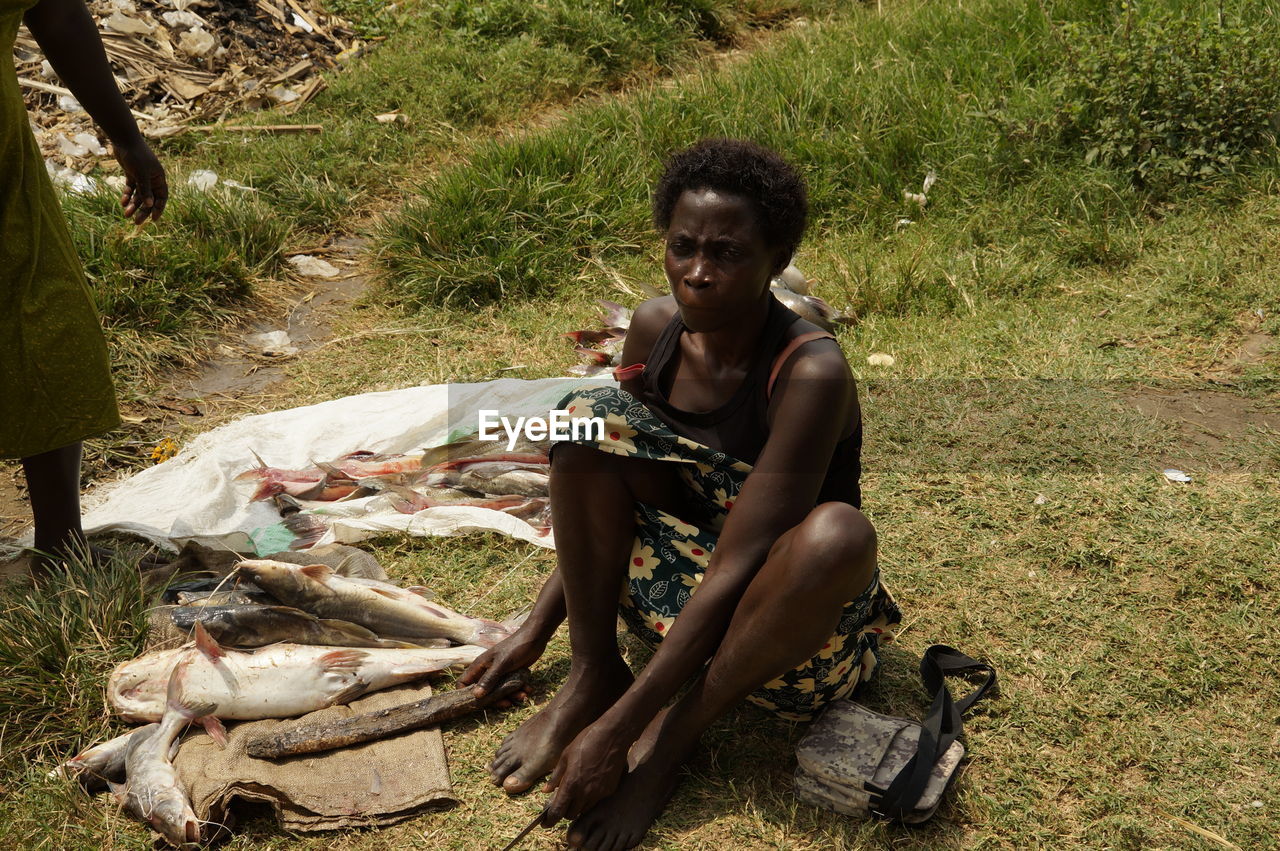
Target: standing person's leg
x,y
53,484
788,612
593,497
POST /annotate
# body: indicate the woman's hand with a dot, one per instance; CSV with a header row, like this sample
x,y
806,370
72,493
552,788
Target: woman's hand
x,y
589,771
519,650
146,191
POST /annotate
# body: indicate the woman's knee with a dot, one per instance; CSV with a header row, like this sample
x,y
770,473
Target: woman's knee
x,y
579,458
835,543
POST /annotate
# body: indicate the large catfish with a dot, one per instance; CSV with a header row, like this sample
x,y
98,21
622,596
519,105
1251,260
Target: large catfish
x,y
280,681
317,589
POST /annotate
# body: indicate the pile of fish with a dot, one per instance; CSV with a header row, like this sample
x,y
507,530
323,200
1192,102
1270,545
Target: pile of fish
x,y
602,347
514,479
312,638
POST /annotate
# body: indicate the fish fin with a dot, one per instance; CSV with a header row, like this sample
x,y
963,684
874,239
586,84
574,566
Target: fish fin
x,y
350,693
420,669
517,620
344,660
390,595
335,474
266,490
353,630
206,644
214,728
318,572
119,791
423,591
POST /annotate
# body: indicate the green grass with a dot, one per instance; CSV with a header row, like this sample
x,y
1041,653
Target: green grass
x,y
865,106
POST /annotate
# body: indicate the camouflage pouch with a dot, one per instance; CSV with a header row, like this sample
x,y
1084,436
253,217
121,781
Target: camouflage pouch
x,y
861,763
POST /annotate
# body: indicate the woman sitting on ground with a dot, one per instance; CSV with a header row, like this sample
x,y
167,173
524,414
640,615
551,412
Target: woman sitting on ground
x,y
729,467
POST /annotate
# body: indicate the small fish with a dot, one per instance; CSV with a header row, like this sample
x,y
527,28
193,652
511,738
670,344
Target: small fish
x,y
257,625
151,791
334,480
498,477
319,590
615,316
223,598
202,588
810,307
103,762
424,599
280,681
307,529
472,448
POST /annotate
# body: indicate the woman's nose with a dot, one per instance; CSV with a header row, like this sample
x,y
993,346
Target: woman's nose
x,y
699,273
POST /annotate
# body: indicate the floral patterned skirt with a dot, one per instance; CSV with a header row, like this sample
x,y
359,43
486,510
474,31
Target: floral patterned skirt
x,y
670,556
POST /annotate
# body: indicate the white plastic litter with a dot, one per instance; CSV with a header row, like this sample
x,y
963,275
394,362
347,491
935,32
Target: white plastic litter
x,y
1176,475
313,267
70,179
90,143
202,179
283,94
272,343
197,42
194,496
70,148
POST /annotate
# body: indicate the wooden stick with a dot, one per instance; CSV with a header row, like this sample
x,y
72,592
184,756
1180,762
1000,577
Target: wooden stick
x,y
261,128
380,724
59,90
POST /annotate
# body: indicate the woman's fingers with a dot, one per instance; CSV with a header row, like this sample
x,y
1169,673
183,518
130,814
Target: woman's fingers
x,y
160,192
476,668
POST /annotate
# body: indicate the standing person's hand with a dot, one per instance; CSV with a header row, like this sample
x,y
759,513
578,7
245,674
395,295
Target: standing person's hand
x,y
146,190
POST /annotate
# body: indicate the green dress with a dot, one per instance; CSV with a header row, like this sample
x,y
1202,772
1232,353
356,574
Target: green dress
x,y
55,384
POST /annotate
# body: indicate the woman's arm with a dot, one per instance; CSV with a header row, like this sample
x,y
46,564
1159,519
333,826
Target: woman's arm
x,y
69,37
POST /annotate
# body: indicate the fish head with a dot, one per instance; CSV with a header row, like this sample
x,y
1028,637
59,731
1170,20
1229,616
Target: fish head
x,y
137,688
275,577
172,817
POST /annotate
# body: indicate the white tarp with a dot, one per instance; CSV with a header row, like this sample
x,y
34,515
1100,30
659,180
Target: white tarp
x,y
194,496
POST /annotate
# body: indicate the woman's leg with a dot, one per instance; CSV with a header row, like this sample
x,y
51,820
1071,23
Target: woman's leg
x,y
53,484
788,612
593,497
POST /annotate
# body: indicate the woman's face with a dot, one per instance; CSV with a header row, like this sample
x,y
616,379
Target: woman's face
x,y
718,262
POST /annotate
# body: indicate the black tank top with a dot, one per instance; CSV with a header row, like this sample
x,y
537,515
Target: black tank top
x,y
740,426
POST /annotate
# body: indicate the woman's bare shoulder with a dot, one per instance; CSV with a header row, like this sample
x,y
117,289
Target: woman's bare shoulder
x,y
647,323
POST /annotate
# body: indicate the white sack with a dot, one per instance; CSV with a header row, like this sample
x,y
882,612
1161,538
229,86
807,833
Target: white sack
x,y
193,496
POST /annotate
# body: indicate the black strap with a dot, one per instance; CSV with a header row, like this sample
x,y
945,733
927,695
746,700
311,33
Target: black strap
x,y
940,728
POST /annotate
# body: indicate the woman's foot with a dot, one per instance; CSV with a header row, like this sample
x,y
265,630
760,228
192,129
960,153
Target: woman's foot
x,y
534,749
622,820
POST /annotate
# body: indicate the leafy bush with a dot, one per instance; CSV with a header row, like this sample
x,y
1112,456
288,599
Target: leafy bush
x,y
1170,99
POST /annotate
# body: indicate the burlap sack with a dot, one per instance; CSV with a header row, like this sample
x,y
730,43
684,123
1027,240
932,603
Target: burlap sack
x,y
374,784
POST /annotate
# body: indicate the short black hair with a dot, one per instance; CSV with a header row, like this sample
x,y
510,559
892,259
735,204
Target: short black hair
x,y
744,168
